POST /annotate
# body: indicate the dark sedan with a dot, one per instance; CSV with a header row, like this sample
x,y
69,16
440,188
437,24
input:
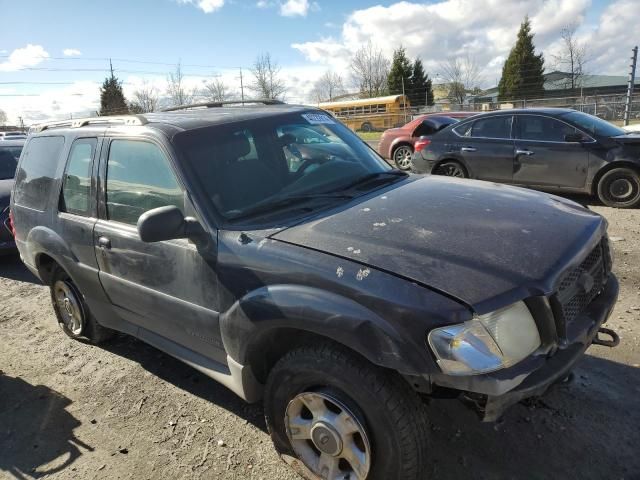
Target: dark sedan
x,y
548,149
9,154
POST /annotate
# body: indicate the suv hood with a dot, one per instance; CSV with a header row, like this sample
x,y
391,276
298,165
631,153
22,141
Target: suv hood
x,y
484,244
633,138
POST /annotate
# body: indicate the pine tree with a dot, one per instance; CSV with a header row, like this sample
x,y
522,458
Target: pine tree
x,y
400,72
522,73
112,101
420,88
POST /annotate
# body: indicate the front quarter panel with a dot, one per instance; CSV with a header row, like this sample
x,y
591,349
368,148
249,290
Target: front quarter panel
x,y
268,284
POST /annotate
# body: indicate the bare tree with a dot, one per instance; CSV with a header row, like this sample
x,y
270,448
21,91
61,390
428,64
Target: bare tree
x,y
461,75
216,91
176,88
327,87
145,99
571,58
370,69
3,117
267,82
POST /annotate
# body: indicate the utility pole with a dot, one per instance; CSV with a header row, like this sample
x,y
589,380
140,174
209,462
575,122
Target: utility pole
x,y
21,124
630,85
404,101
241,87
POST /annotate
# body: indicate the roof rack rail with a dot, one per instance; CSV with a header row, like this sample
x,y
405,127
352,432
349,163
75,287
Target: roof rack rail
x,y
263,101
81,122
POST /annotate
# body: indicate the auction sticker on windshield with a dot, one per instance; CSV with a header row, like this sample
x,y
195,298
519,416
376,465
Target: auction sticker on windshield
x,y
317,118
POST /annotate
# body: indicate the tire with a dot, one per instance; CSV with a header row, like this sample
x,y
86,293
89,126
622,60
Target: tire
x,y
388,415
402,157
620,188
366,127
73,314
451,168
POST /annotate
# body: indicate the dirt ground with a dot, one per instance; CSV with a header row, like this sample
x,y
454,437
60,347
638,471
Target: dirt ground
x,y
126,410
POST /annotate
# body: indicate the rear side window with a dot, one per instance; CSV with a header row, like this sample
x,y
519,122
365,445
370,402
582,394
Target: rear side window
x,y
36,171
492,127
76,187
9,157
139,178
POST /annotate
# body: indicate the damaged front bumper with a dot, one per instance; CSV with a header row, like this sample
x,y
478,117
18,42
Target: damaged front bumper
x,y
491,394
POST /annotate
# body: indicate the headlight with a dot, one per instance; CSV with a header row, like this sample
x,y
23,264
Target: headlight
x,y
486,343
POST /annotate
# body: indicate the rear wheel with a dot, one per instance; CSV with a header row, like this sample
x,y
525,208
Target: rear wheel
x,y
451,168
342,417
366,127
620,188
74,317
402,157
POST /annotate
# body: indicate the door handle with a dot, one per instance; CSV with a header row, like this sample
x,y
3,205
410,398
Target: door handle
x,y
468,149
104,242
528,153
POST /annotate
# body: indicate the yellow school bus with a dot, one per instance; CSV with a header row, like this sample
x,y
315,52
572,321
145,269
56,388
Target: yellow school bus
x,y
371,114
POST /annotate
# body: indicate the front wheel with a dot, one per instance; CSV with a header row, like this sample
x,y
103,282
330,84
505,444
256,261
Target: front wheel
x,y
402,157
343,417
620,188
450,169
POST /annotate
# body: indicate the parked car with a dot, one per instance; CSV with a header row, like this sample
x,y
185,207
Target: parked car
x,y
548,149
397,143
12,136
9,154
309,286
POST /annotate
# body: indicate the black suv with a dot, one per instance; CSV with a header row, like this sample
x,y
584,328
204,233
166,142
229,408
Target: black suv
x,y
287,269
554,149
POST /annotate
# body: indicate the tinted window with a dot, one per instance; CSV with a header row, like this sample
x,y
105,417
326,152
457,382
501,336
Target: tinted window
x,y
533,127
592,124
139,178
37,168
492,127
425,128
9,157
76,187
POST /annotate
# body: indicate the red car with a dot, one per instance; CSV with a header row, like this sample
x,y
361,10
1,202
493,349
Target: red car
x,y
397,143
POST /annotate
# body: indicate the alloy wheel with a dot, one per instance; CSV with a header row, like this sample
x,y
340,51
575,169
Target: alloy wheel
x,y
70,306
450,169
402,157
327,437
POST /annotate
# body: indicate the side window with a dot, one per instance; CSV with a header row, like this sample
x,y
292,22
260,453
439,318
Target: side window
x,y
464,130
76,186
492,127
425,128
139,178
36,171
533,127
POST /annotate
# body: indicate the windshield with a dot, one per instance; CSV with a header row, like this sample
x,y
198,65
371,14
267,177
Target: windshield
x,y
593,125
8,161
265,161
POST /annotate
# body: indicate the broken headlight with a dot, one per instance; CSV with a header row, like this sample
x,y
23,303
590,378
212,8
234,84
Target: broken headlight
x,y
487,342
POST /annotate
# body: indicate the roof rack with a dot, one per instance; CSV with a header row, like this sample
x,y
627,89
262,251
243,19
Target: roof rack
x,y
81,122
263,101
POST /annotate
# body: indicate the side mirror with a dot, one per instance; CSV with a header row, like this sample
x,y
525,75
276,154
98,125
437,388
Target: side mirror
x,y
166,223
574,138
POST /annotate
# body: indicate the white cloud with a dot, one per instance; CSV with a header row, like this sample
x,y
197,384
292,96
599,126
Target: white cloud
x,y
207,6
264,4
20,58
71,52
484,29
292,8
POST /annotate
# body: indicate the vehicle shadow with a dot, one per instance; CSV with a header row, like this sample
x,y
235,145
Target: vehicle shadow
x,y
587,429
12,267
184,377
37,431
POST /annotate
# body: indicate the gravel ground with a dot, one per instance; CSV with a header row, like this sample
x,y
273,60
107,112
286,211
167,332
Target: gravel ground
x,y
126,410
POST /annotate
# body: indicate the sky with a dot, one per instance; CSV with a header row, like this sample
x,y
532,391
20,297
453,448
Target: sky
x,y
54,55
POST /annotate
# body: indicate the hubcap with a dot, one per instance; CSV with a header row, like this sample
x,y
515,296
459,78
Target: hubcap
x,y
451,170
621,188
403,157
328,437
69,306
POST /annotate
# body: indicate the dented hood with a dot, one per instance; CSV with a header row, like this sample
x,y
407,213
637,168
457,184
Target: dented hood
x,y
484,244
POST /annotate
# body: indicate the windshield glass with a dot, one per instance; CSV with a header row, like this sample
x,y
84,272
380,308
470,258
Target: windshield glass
x,y
265,161
593,125
8,161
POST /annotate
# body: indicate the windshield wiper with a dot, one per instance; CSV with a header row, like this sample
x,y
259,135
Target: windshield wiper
x,y
386,176
286,201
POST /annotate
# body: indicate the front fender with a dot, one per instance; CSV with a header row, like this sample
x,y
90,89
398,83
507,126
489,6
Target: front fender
x,y
313,310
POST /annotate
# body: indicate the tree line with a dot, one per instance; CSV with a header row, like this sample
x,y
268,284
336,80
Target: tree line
x,y
372,74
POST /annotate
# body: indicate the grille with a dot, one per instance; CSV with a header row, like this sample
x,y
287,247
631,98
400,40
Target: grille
x,y
582,284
